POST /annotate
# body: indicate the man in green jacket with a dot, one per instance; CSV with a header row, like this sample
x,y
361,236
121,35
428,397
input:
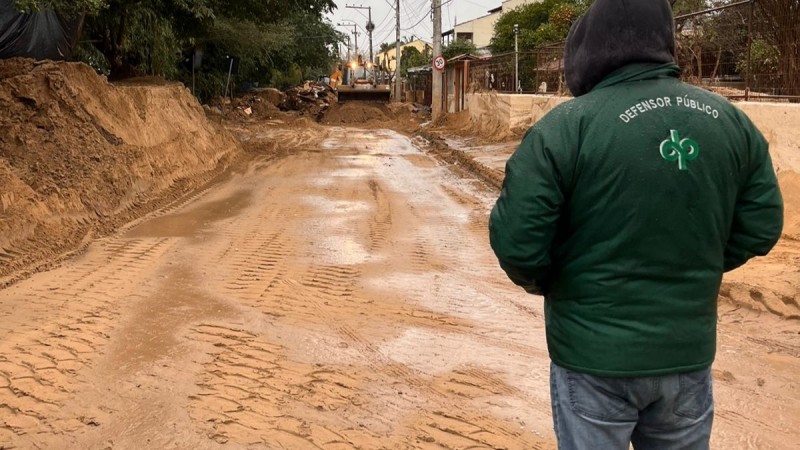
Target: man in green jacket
x,y
624,207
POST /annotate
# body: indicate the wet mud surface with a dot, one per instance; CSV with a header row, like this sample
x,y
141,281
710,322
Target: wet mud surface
x,y
343,296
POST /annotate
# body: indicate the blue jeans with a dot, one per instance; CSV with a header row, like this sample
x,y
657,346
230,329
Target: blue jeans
x,y
670,412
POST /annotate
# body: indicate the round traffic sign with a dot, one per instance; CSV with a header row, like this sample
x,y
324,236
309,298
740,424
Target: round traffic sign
x,y
438,62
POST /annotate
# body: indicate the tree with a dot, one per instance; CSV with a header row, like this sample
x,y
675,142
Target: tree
x,y
68,7
412,57
782,31
539,23
386,46
133,37
708,43
458,47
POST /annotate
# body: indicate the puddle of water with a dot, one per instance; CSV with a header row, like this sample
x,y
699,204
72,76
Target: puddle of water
x,y
189,223
341,250
327,205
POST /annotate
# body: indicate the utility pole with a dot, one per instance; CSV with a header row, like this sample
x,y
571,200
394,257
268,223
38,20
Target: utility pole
x,y
397,52
517,87
436,87
355,36
370,27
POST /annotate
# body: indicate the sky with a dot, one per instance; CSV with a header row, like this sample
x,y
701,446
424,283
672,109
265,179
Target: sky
x,y
415,17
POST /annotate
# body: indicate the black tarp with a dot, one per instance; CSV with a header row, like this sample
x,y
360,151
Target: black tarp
x,y
42,35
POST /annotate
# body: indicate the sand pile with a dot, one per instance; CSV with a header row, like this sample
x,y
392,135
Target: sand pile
x,y
486,130
363,114
79,156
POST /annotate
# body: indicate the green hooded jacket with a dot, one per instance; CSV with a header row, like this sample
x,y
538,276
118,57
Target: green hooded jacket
x,y
624,207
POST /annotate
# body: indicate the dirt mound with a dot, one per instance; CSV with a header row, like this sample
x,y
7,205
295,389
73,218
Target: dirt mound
x,y
271,96
396,116
356,113
79,156
486,130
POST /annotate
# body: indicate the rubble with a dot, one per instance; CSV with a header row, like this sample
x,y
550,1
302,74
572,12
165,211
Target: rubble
x,y
311,98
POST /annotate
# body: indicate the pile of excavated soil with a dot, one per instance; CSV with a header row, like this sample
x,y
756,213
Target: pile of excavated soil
x,y
79,156
269,139
487,130
397,116
354,112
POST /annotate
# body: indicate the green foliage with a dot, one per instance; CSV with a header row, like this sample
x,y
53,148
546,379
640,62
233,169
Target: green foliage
x,y
765,61
386,46
158,37
64,6
153,45
539,23
458,47
412,57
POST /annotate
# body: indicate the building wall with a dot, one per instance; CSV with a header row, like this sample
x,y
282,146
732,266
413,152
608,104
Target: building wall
x,y
517,111
390,55
482,28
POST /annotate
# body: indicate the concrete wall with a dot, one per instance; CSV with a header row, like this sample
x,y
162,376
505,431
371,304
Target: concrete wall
x,y
518,111
779,122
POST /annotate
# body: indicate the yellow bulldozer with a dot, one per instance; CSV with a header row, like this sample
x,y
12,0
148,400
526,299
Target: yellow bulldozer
x,y
360,81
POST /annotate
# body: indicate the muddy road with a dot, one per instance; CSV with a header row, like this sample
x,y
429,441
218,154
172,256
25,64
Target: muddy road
x,y
337,298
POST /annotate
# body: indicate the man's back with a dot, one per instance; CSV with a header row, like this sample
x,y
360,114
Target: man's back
x,y
652,182
624,207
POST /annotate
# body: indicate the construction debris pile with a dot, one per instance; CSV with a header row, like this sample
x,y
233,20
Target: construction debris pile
x,y
310,98
258,104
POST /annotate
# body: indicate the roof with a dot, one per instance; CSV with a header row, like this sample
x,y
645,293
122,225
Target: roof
x,y
463,57
407,44
420,69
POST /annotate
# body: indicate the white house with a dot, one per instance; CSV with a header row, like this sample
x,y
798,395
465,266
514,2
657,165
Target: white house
x,y
481,29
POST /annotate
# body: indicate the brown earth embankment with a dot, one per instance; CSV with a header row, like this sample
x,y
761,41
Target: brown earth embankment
x,y
80,156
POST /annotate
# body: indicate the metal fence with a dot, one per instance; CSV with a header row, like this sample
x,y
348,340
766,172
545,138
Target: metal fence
x,y
738,50
541,70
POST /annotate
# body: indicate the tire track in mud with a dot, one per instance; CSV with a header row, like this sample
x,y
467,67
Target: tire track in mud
x,y
76,311
301,361
380,224
325,295
250,378
253,393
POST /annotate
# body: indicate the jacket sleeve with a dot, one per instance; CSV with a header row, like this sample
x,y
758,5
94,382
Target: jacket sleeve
x,y
524,220
758,214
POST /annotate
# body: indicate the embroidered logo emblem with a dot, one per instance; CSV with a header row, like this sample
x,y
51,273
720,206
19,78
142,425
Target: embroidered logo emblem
x,y
676,149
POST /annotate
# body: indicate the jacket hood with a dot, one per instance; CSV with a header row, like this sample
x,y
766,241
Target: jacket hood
x,y
614,33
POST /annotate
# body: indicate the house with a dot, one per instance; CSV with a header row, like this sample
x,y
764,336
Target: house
x,y
455,82
388,59
481,29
